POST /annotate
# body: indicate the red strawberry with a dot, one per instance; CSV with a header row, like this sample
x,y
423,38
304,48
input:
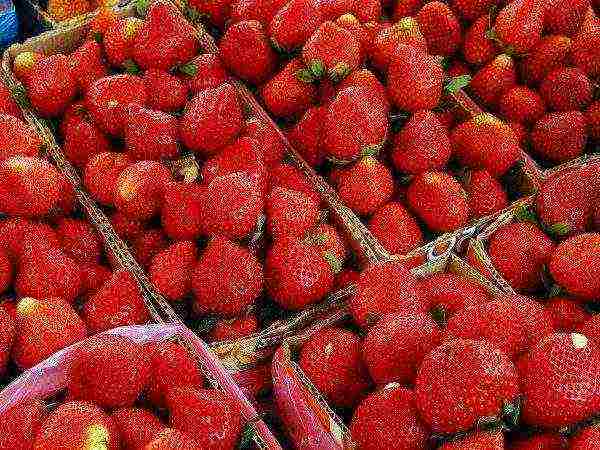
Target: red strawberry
x,y
366,186
170,439
559,137
294,23
564,16
574,266
331,358
234,329
566,89
519,24
118,40
182,212
405,8
559,379
346,278
421,145
567,314
171,270
350,23
93,277
52,85
205,71
117,303
439,201
546,441
261,10
307,135
384,289
477,47
353,125
88,64
110,371
327,239
396,229
20,424
488,380
297,275
247,53
150,135
107,100
481,439
137,427
289,177
365,79
101,174
486,195
537,319
388,419
584,49
406,32
79,240
217,287
23,65
440,28
6,271
592,119
587,439
17,138
8,105
212,119
165,91
42,327
494,79
147,245
290,213
82,138
522,105
267,137
286,94
7,336
549,54
473,9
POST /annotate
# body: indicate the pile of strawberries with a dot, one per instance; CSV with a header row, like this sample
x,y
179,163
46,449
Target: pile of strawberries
x,y
123,394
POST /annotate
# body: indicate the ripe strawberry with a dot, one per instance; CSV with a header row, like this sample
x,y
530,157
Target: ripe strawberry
x,y
546,441
396,229
519,25
217,288
79,240
110,371
414,79
182,212
290,213
385,43
592,120
107,100
584,49
12,233
477,48
353,125
93,277
439,201
171,366
331,359
247,53
209,415
147,245
486,195
289,177
267,137
365,79
493,80
481,439
6,271
307,135
488,381
74,425
473,9
440,27
51,85
564,17
559,137
559,379
587,439
101,174
204,71
150,135
327,239
485,142
384,289
261,10
234,329
87,64
212,119
118,40
422,145
567,314
388,419
549,54
8,105
165,91
82,138
521,104
42,327
170,439
574,265
286,94
346,278
137,427
7,337
171,270
24,63
538,320
17,138
20,424
294,23
117,303
405,8
350,23
566,89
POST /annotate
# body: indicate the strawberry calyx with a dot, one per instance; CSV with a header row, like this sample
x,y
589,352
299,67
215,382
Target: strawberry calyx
x,y
457,83
440,315
189,69
333,261
316,68
560,229
305,76
131,67
340,71
372,150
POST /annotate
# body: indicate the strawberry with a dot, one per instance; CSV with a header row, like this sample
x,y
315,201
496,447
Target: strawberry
x,y
488,381
351,24
587,439
165,91
147,245
566,89
567,314
384,289
559,379
521,104
8,105
560,136
406,32
366,186
261,10
396,229
289,177
79,240
93,277
121,371
477,48
422,145
574,266
7,337
332,9
74,425
564,17
395,346
52,85
592,120
294,23
327,239
170,439
546,441
485,194
519,252
286,94
491,81
353,125
42,327
267,137
549,54
388,419
212,119
440,28
584,49
290,213
473,9
101,174
246,52
24,63
414,79
88,64
20,423
171,366
485,142
331,359
439,201
204,71
118,41
117,303
346,278
297,275
519,25
365,79
307,135
405,8
538,319
234,329
481,439
107,100
171,270
82,138
17,138
182,211
6,271
137,427
217,289
12,233
150,134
